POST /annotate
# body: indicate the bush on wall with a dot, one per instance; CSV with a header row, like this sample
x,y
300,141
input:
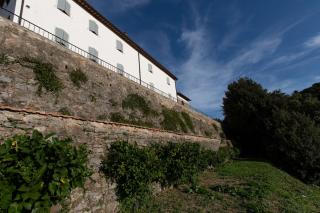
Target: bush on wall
x,y
39,171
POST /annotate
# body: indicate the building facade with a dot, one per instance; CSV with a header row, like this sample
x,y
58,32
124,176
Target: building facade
x,y
77,22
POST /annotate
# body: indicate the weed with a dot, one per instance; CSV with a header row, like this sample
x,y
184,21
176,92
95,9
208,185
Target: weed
x,y
137,102
44,74
103,117
117,117
78,77
188,121
65,111
172,121
4,59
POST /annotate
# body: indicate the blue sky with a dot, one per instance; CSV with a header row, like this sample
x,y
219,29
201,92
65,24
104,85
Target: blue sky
x,y
210,43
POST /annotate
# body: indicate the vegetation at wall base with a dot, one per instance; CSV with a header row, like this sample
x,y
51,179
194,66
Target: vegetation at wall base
x,y
284,129
39,171
78,77
134,169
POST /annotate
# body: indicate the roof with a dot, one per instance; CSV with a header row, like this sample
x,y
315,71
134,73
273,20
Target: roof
x,y
85,5
183,96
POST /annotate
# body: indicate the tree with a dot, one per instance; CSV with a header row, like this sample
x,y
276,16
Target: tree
x,y
242,107
281,128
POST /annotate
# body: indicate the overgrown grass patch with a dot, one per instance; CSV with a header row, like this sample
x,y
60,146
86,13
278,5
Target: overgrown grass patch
x,y
78,77
242,186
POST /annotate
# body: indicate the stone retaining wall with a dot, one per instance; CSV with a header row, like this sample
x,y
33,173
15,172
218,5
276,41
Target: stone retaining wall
x,y
98,195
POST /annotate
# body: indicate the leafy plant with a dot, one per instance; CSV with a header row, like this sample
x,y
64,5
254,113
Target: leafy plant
x,y
134,168
172,121
39,171
117,117
44,74
78,77
188,121
4,59
137,102
65,111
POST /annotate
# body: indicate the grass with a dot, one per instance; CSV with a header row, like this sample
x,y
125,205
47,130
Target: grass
x,y
137,102
188,121
242,186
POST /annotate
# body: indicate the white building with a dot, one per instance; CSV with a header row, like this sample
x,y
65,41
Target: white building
x,y
77,23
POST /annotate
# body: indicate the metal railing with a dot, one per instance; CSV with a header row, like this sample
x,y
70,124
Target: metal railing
x,y
44,33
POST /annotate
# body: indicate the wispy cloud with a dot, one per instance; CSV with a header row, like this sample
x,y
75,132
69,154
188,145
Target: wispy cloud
x,y
313,42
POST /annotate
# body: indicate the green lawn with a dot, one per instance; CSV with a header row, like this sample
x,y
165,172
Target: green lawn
x,y
242,186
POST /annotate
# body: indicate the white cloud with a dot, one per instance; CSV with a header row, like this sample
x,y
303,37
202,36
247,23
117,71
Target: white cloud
x,y
313,42
204,78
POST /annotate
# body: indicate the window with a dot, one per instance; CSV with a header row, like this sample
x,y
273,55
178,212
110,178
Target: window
x,y
64,6
120,69
93,54
61,37
168,81
119,46
150,68
93,27
152,86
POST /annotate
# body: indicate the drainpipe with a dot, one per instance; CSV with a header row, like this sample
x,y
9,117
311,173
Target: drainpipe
x,y
139,68
21,12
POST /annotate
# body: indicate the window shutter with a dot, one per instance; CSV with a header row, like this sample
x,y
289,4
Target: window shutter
x,y
120,69
93,27
61,37
119,46
61,4
64,6
67,8
93,54
150,68
151,86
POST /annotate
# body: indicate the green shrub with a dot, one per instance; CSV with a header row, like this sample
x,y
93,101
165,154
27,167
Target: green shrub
x,y
137,102
172,121
39,171
65,111
133,169
117,117
4,59
78,77
45,75
188,121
